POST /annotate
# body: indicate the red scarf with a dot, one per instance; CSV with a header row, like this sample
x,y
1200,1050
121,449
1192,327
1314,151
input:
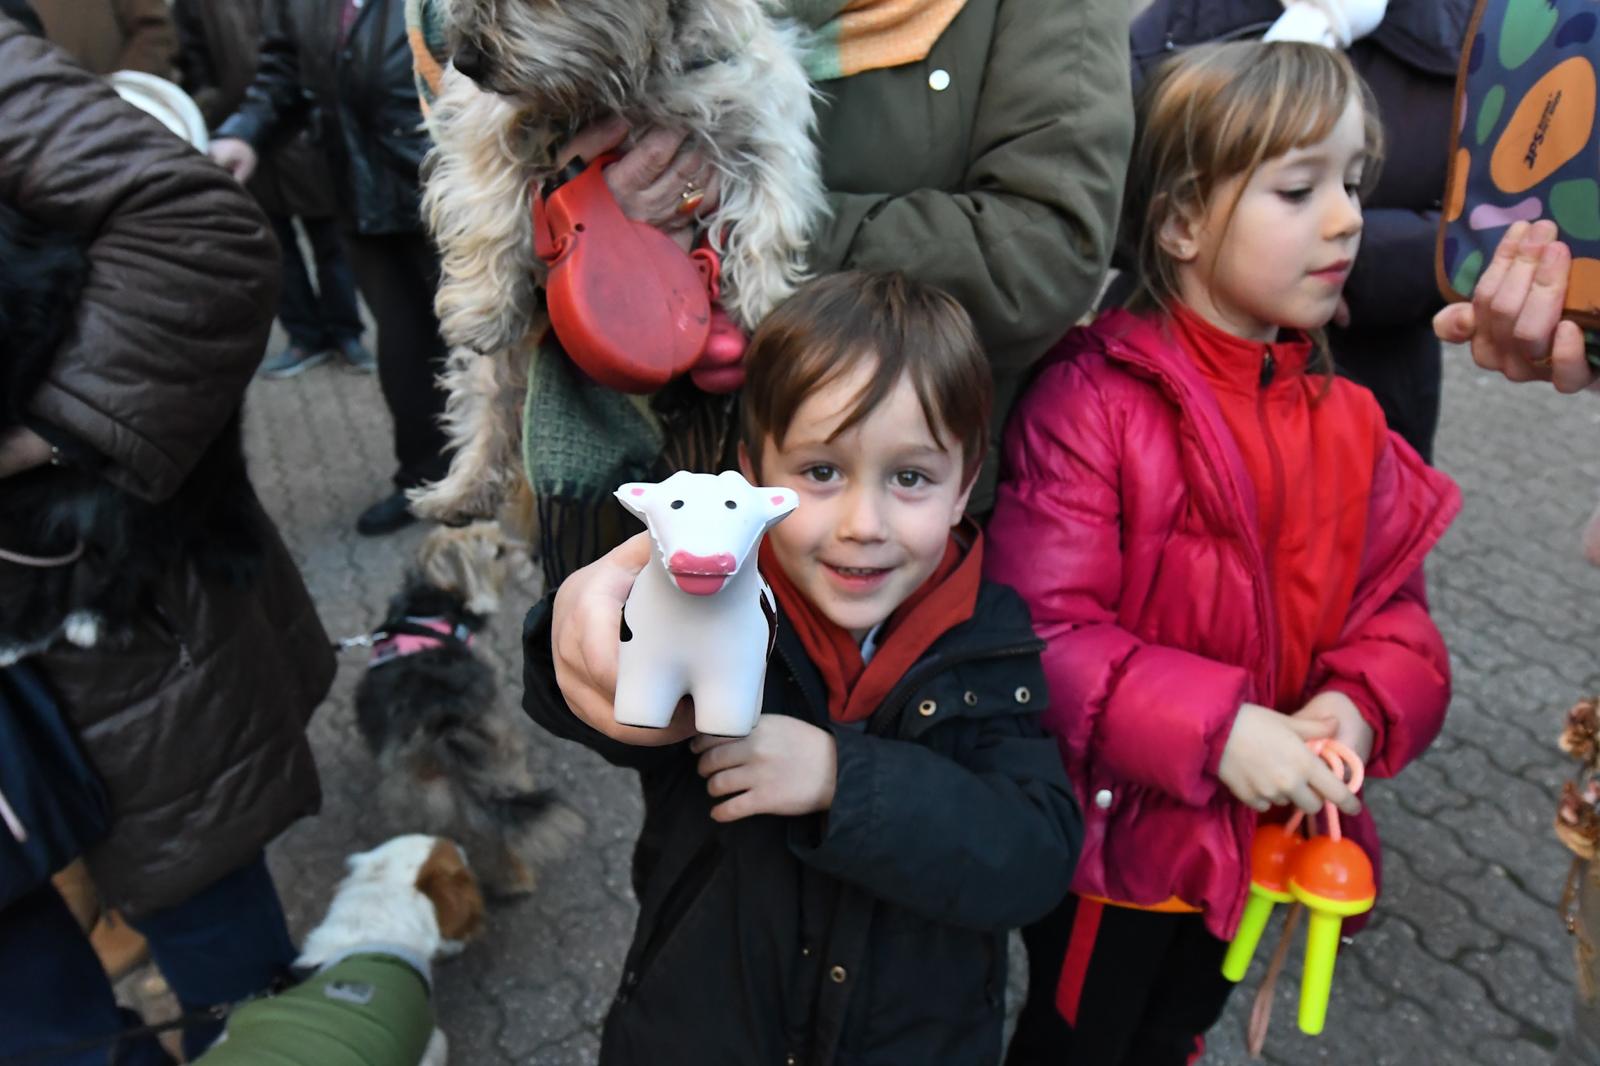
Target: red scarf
x,y
855,689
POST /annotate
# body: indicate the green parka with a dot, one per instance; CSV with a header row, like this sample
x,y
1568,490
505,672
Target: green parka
x,y
993,168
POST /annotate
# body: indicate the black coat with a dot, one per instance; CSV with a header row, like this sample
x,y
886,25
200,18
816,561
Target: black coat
x,y
360,96
874,934
1410,63
218,49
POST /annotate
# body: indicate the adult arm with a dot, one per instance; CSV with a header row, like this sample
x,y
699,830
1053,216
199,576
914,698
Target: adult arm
x,y
183,269
1154,715
1024,241
986,840
274,103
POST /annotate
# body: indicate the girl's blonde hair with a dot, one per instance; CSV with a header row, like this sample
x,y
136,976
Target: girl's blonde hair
x,y
1217,111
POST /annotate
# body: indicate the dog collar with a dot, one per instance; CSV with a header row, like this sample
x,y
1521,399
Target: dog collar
x,y
407,636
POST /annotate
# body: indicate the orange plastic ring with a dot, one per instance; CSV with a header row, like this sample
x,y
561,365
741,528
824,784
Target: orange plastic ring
x,y
692,199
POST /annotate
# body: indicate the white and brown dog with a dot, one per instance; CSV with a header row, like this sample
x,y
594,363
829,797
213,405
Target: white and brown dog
x,y
526,74
368,999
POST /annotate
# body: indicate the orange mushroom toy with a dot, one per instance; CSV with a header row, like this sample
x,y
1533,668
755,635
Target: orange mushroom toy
x,y
1271,854
1332,876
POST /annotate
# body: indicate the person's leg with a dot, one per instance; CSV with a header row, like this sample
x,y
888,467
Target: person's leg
x,y
53,992
338,314
297,301
1186,1001
1088,986
398,275
225,943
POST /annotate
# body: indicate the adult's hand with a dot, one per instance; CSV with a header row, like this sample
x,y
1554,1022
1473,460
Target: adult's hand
x,y
585,627
659,180
235,155
22,449
1514,321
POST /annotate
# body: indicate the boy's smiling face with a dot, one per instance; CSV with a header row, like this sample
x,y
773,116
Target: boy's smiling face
x,y
876,502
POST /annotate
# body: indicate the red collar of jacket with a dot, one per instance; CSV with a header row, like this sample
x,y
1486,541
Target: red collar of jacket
x,y
939,604
1234,363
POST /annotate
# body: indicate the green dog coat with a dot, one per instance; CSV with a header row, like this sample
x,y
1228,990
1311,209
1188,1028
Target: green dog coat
x,y
368,1009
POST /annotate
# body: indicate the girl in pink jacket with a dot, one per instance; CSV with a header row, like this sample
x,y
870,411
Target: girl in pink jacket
x,y
1222,544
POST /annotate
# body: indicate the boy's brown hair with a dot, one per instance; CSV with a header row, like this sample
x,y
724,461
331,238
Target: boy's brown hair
x,y
908,328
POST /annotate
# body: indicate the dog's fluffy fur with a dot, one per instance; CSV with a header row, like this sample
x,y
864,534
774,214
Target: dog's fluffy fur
x,y
129,544
453,760
723,70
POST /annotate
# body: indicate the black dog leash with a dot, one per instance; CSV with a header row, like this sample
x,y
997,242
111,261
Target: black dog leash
x,y
220,1012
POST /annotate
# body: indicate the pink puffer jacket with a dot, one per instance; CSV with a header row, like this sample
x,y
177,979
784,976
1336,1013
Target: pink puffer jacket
x,y
1126,519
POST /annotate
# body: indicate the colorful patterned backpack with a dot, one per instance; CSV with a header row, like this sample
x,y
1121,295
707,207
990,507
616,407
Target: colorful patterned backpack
x,y
1525,144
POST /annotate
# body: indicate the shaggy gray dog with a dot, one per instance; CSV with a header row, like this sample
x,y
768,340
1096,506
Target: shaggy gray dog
x,y
722,70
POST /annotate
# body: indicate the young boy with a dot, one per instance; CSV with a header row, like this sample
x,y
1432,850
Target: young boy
x,y
837,886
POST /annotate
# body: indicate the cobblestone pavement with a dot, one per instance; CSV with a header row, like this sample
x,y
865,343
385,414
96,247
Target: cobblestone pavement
x,y
1466,961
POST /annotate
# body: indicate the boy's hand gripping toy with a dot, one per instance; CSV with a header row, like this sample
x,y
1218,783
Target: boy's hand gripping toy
x,y
1329,874
699,621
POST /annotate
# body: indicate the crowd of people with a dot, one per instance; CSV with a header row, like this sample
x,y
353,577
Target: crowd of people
x,y
1073,600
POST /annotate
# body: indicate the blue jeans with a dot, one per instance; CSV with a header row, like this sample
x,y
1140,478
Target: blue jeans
x,y
322,317
223,944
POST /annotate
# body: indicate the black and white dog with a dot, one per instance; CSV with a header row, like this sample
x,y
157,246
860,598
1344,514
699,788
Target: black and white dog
x,y
455,763
80,557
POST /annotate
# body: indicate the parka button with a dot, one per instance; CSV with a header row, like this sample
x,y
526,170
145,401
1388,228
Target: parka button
x,y
970,699
791,1059
939,80
1023,695
805,951
1102,799
926,708
837,975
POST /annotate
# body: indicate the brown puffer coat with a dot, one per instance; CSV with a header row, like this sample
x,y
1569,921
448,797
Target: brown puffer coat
x,y
196,720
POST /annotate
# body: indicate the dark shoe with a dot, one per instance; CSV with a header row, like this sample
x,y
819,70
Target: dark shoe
x,y
356,356
291,361
387,515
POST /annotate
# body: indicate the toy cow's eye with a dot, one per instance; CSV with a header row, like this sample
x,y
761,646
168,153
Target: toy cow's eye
x,y
676,504
730,505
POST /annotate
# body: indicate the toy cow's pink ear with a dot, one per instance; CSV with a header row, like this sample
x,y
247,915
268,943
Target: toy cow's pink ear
x,y
779,502
633,496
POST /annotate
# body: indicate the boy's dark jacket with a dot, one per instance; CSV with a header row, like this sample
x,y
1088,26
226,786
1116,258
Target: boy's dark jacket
x,y
874,934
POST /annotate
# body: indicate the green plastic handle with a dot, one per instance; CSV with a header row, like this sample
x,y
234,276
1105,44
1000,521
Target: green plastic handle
x,y
1322,945
1257,909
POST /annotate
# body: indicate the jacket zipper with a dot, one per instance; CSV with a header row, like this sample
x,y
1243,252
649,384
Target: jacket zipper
x,y
1274,529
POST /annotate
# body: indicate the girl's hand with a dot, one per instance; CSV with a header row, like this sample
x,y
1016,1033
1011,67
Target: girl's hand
x,y
1349,728
1266,762
785,766
658,181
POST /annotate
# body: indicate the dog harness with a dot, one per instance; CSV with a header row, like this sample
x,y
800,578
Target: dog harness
x,y
371,1008
407,636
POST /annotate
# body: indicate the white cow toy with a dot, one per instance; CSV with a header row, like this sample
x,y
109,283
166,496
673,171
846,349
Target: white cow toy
x,y
699,620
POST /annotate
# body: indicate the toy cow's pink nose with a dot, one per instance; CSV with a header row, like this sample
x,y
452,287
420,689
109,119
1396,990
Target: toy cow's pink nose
x,y
701,575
